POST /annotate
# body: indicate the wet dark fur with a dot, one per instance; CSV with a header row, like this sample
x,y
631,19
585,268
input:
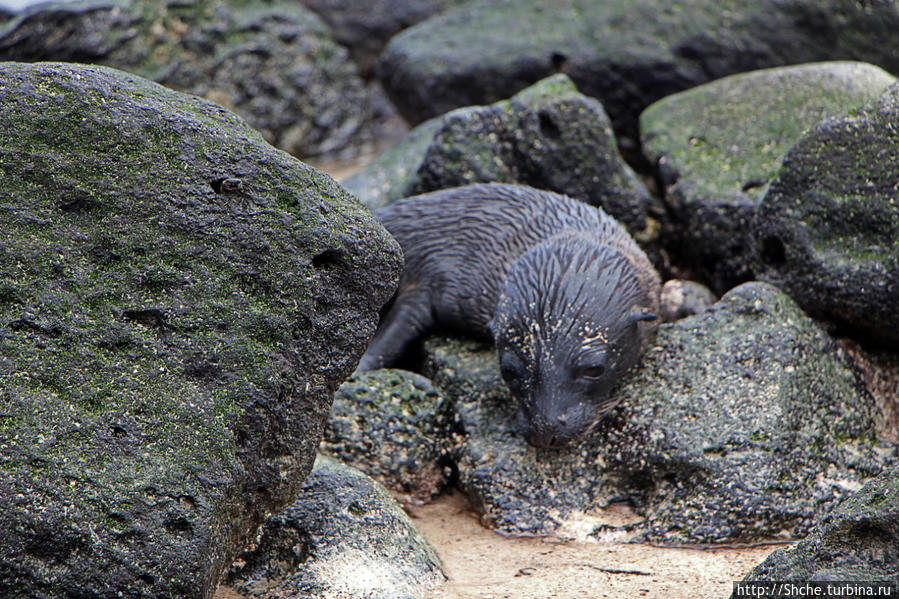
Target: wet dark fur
x,y
567,291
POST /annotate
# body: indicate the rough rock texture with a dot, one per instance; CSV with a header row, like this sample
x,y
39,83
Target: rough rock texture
x,y
827,231
680,299
343,538
859,540
178,303
716,148
365,26
393,173
626,53
548,136
394,426
744,422
272,62
879,370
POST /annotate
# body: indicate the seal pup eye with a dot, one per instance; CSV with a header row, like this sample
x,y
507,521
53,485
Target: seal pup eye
x,y
510,366
590,373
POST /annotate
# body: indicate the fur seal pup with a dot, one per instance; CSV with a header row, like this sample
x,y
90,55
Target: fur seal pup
x,y
566,295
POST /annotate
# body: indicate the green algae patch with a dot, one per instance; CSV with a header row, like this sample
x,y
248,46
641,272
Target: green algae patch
x,y
396,427
729,136
827,231
549,136
858,540
170,336
741,422
625,53
717,147
271,61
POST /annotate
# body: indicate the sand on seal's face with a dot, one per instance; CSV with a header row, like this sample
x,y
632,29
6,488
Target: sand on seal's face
x,y
484,565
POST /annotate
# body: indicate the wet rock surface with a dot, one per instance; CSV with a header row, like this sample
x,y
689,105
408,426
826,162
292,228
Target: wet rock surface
x,y
343,538
178,303
717,147
858,541
626,54
548,136
827,231
394,426
743,422
274,63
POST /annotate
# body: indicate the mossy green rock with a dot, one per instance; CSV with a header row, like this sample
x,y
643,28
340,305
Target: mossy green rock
x,y
394,426
343,538
548,136
716,148
626,53
858,541
827,231
178,303
742,422
271,61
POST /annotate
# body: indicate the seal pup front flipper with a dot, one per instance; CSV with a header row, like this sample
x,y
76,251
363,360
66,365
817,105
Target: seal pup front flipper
x,y
404,320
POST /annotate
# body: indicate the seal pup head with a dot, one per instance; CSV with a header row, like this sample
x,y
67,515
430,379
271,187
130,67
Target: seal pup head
x,y
568,324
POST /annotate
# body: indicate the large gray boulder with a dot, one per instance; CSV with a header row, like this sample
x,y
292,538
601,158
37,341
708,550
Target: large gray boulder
x,y
858,541
178,303
827,231
742,422
626,53
365,26
548,136
716,148
343,538
273,62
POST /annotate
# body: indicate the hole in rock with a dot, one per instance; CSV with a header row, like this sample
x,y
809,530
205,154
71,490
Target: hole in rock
x,y
773,250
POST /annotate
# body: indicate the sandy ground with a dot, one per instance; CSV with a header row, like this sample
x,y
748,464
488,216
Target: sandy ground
x,y
484,565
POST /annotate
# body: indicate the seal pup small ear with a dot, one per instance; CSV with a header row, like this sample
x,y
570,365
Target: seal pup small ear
x,y
641,314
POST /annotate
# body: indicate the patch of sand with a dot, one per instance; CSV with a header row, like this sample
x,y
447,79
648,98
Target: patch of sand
x,y
484,565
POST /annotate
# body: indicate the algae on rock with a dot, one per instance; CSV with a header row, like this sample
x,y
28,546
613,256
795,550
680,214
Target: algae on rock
x,y
271,61
716,148
394,426
626,53
827,231
548,136
178,303
741,422
857,541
